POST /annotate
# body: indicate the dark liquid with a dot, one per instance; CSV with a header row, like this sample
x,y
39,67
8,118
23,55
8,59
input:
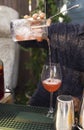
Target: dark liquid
x,y
1,82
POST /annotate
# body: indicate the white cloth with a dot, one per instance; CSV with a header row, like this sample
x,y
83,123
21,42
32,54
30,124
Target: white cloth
x,y
9,54
9,51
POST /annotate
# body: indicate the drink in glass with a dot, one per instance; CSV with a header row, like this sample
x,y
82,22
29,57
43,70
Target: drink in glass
x,y
51,80
51,85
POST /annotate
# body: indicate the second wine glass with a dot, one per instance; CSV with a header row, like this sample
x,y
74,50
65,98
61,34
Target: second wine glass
x,y
51,80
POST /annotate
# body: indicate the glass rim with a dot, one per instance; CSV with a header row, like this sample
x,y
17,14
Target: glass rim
x,y
52,64
64,98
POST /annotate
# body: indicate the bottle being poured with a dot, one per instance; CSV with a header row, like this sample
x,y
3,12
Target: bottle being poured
x,y
33,27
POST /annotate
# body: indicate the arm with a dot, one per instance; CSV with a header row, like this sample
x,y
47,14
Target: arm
x,y
70,45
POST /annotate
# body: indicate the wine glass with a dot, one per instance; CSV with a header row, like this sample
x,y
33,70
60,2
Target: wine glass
x,y
51,79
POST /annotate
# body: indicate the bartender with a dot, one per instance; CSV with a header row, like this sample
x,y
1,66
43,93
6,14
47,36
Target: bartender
x,y
67,49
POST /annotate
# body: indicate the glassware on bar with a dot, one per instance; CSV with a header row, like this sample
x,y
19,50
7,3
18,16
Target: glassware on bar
x,y
51,79
64,117
1,80
81,117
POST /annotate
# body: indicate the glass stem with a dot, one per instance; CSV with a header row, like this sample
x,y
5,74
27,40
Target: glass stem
x,y
51,103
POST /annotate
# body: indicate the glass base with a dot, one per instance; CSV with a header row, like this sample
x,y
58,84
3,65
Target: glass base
x,y
50,113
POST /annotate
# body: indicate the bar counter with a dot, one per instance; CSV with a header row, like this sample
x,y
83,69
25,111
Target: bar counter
x,y
22,117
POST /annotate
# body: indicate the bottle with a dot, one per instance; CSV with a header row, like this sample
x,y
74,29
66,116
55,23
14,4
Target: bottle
x,y
1,80
81,118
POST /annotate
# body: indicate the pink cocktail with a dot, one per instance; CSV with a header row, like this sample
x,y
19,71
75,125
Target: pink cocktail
x,y
51,85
